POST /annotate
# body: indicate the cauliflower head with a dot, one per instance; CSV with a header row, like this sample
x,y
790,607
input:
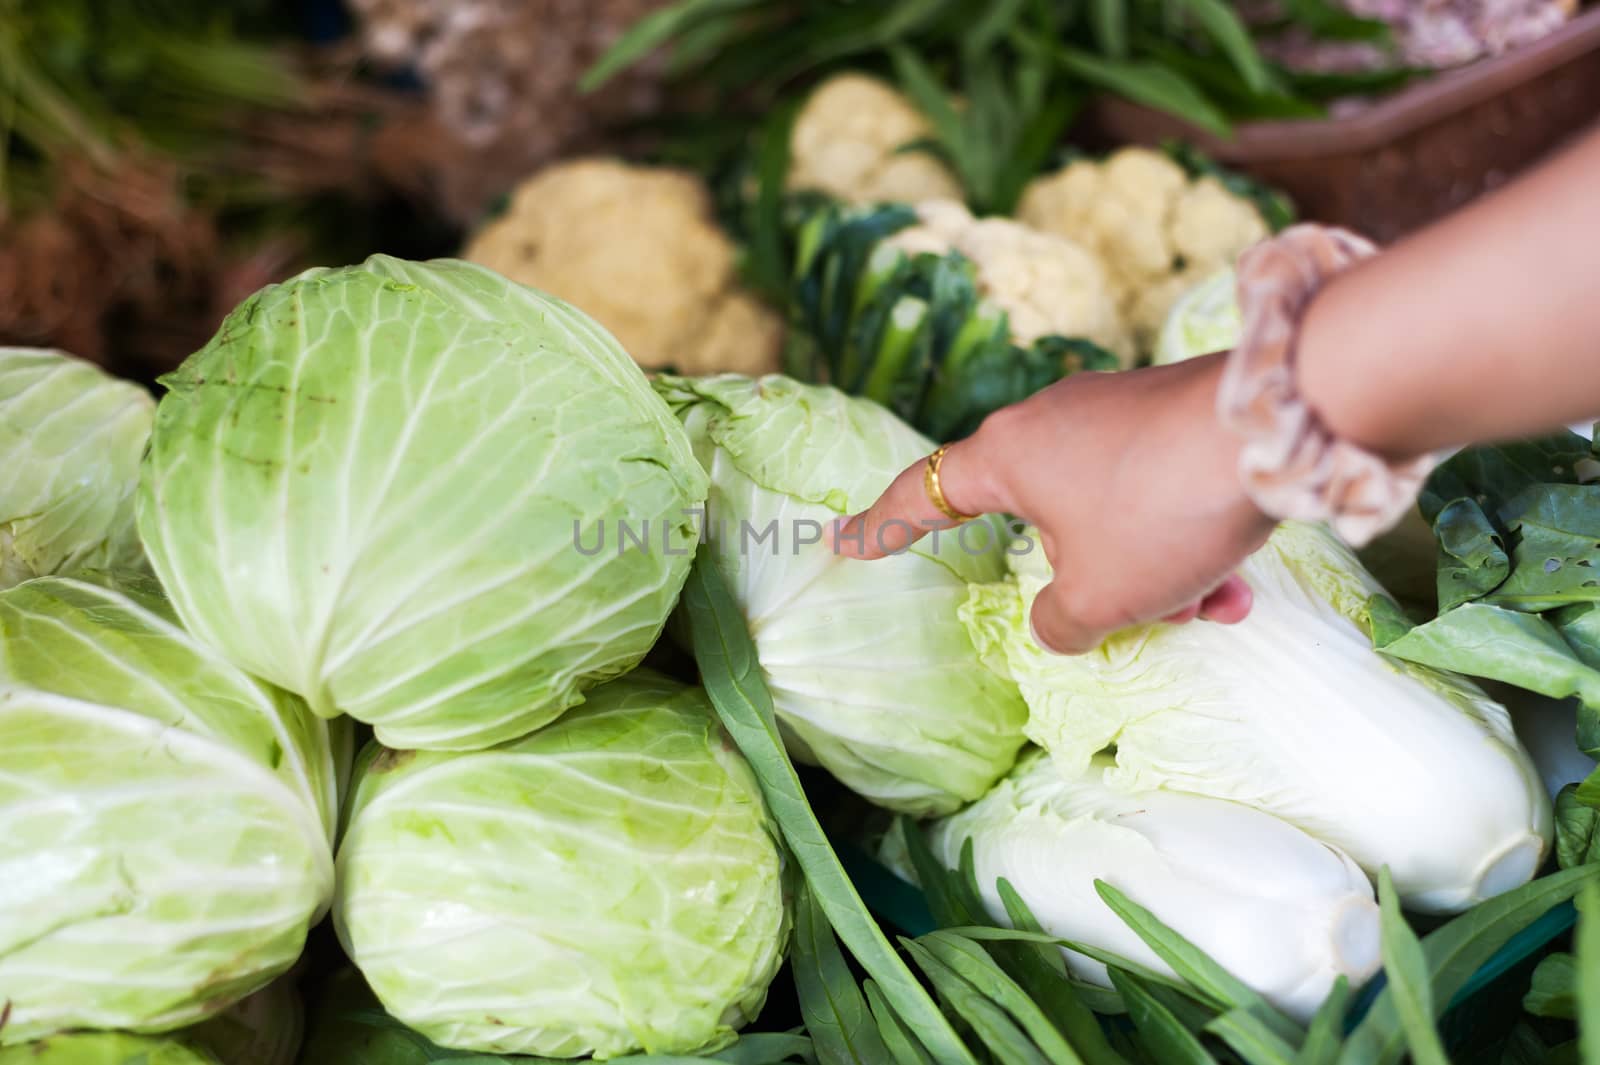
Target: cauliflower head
x,y
1046,284
846,142
1156,230
637,249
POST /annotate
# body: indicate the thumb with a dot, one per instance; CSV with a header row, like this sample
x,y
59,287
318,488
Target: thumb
x,y
906,512
1056,626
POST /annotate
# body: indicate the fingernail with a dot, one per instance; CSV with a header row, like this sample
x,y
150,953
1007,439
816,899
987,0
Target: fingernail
x,y
1039,640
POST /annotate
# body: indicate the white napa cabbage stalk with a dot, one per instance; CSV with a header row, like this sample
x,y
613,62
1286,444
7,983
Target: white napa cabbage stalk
x,y
70,441
1283,912
873,675
165,820
1292,712
606,884
373,486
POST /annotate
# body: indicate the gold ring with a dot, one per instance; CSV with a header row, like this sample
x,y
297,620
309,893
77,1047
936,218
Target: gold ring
x,y
930,484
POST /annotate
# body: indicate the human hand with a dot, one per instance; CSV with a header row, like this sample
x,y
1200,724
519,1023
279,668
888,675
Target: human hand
x,y
1132,484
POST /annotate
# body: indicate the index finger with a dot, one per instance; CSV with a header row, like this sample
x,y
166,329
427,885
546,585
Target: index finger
x,y
905,512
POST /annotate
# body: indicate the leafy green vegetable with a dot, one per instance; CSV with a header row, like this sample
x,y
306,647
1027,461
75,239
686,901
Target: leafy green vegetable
x,y
1553,992
165,818
1587,984
1455,951
841,1025
912,331
106,1048
1244,886
413,480
1201,709
70,441
733,679
871,673
1411,989
614,885
1160,1031
1577,829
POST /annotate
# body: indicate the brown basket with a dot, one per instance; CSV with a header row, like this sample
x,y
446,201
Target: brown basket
x,y
1418,154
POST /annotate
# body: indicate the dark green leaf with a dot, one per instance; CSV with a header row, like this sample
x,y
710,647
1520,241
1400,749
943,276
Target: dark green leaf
x,y
1553,991
1195,966
1228,32
1586,945
1252,1039
1481,640
1456,950
1409,985
1040,968
1557,550
1495,474
835,1011
903,1046
768,264
1577,829
931,98
1333,21
650,33
733,680
999,1033
1326,1029
1109,19
1150,84
973,964
1472,561
1167,1039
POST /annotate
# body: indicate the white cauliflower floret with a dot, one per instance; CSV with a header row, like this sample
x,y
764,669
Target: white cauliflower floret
x,y
636,248
846,142
1156,231
1212,226
1046,284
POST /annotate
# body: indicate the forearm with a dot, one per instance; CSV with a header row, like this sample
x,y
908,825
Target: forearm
x,y
1484,326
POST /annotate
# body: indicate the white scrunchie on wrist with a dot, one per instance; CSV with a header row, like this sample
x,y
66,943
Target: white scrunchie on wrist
x,y
1291,465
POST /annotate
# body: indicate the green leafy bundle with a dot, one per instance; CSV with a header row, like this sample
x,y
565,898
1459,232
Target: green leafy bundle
x,y
1518,582
1019,68
988,993
912,331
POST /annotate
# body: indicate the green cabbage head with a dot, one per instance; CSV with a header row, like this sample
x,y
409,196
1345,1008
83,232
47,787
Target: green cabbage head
x,y
1203,320
1292,712
70,441
164,818
873,676
368,488
607,884
108,1048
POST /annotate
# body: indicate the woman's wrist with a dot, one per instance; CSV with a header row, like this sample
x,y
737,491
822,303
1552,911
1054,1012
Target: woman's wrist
x,y
1347,374
1297,462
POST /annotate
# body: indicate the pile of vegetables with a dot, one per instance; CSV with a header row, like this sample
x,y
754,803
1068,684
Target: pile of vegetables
x,y
418,652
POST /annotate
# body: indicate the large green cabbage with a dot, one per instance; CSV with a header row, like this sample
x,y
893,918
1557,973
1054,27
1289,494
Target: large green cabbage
x,y
369,488
606,884
164,819
1294,713
70,442
873,676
